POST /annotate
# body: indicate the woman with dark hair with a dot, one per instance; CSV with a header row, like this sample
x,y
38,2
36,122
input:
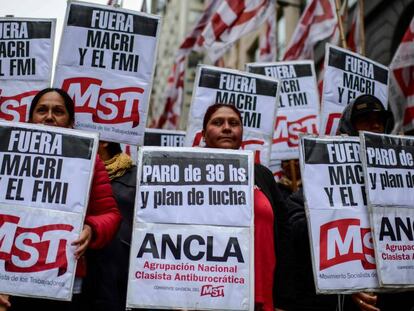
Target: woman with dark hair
x,y
107,279
222,128
54,107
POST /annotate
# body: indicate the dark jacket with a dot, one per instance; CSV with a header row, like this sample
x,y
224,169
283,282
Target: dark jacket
x,y
264,179
106,282
305,292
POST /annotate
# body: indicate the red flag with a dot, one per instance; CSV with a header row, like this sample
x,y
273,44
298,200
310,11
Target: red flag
x,y
175,85
115,3
232,20
353,39
401,89
268,41
316,23
222,23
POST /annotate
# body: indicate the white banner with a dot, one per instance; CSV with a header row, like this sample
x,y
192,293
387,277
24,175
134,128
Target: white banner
x,y
340,234
388,166
106,64
26,52
298,106
45,176
348,75
255,96
164,138
192,244
196,267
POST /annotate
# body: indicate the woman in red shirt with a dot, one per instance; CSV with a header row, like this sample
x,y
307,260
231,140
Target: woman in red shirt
x,y
54,107
222,128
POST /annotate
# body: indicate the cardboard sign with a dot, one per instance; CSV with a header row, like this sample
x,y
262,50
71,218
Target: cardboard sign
x,y
255,96
26,51
192,244
388,165
340,235
106,64
45,167
45,176
298,107
348,75
195,267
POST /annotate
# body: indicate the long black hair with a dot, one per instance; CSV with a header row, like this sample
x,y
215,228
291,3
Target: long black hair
x,y
69,104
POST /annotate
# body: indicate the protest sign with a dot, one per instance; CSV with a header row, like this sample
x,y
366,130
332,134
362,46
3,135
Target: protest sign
x,y
39,164
340,235
192,242
255,96
26,50
45,176
348,75
388,162
194,186
106,63
164,138
298,105
196,267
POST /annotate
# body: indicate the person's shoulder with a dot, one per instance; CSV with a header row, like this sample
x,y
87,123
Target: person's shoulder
x,y
129,178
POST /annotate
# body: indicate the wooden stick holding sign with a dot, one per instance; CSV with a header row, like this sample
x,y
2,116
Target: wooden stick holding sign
x,y
340,25
292,168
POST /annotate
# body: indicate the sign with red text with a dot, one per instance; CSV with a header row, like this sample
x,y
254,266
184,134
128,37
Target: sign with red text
x,y
36,256
45,176
348,75
196,267
339,227
255,96
106,64
192,243
26,50
388,166
298,108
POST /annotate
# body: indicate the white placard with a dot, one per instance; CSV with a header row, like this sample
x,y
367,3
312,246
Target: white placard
x,y
45,176
255,96
36,256
298,106
348,75
106,64
340,234
192,244
388,166
46,167
26,50
199,267
194,186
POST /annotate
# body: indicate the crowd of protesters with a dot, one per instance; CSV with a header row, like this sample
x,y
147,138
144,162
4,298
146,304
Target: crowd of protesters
x,y
283,269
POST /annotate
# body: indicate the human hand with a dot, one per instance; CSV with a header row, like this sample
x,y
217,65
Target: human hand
x,y
82,242
365,301
4,302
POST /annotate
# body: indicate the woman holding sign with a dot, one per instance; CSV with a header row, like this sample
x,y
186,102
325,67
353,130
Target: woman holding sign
x,y
222,128
54,107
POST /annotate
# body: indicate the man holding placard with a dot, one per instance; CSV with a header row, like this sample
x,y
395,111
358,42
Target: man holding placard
x,y
365,113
